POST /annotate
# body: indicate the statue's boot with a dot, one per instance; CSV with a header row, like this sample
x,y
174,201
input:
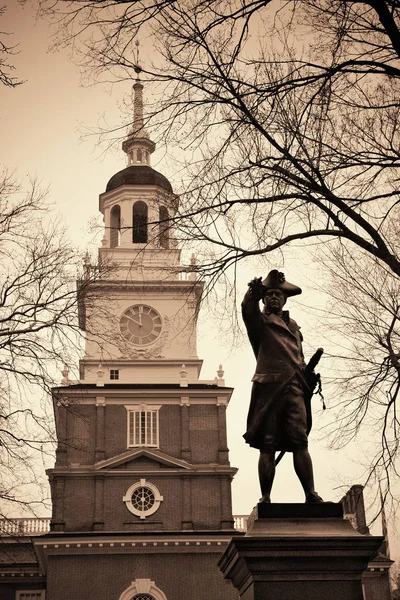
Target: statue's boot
x,y
266,499
312,497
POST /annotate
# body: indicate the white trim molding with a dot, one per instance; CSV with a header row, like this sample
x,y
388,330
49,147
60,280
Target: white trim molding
x,y
134,453
144,512
143,586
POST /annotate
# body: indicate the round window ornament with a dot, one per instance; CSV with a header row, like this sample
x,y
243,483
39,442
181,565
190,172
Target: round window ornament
x,y
143,499
140,325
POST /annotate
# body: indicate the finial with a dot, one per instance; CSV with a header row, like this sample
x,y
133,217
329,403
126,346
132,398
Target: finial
x,y
193,262
183,374
86,265
100,376
137,66
220,373
65,373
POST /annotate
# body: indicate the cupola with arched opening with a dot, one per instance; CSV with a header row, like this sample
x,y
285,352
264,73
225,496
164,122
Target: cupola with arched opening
x,y
139,202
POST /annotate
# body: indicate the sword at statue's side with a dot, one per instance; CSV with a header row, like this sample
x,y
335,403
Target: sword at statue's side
x,y
313,381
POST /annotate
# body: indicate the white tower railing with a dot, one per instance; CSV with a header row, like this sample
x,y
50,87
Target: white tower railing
x,y
24,527
39,526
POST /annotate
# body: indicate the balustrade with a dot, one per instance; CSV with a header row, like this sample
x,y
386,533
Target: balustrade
x,y
25,526
39,526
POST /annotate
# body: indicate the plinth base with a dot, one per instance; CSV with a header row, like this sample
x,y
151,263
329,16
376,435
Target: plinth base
x,y
299,552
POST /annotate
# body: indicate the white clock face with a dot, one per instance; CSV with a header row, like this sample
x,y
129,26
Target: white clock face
x,y
140,324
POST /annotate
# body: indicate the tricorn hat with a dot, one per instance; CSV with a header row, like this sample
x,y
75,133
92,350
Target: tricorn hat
x,y
276,281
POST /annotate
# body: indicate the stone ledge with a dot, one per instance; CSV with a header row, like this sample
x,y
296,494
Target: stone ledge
x,y
316,510
306,520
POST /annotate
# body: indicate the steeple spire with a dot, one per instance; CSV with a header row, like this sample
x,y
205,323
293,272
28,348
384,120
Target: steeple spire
x,y
138,95
138,145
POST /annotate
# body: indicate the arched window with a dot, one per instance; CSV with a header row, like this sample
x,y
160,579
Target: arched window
x,y
143,589
139,156
164,227
139,217
115,226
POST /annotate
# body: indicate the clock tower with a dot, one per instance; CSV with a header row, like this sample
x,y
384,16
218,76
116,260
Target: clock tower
x,y
141,486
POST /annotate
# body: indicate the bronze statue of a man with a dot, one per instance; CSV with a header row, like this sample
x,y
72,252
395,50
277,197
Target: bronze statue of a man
x,y
279,418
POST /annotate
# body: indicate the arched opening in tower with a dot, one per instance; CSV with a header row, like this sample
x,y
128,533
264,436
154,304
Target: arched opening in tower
x,y
140,221
115,225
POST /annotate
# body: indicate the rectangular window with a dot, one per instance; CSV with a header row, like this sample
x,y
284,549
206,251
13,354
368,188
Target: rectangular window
x,y
143,426
31,595
114,373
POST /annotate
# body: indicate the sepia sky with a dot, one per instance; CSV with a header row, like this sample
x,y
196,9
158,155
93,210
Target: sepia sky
x,y
42,126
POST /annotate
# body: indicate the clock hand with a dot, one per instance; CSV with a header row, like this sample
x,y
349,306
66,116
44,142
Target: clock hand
x,y
135,321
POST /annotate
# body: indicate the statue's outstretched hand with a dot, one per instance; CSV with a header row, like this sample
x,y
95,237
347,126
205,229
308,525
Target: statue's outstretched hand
x,y
255,288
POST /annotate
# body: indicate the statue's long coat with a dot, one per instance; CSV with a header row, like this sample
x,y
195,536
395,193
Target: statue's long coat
x,y
276,343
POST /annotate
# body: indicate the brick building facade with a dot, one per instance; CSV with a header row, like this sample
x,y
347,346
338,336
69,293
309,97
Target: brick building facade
x,y
141,486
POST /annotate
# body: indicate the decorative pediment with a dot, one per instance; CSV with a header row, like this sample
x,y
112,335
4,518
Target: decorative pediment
x,y
142,458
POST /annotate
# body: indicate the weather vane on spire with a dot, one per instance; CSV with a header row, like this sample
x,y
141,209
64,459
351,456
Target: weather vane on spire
x,y
137,67
138,145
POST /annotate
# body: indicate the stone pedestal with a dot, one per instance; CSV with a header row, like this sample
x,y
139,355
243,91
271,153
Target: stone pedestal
x,y
299,552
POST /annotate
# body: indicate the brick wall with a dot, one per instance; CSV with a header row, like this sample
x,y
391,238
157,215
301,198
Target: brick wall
x,y
81,432
95,501
206,504
78,503
203,427
189,576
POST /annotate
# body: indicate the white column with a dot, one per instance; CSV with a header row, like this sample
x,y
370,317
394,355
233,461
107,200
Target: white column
x,y
153,229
